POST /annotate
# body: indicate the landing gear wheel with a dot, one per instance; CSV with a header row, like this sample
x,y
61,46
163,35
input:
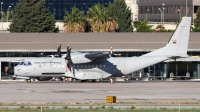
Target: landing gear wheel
x,y
61,79
28,80
97,80
84,80
90,80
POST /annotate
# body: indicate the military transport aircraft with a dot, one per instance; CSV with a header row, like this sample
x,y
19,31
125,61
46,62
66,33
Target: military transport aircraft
x,y
85,66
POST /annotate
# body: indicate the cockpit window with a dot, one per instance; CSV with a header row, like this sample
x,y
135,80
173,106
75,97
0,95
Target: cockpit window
x,y
25,63
21,63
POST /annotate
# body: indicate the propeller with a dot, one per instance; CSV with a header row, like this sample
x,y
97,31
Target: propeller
x,y
68,58
59,51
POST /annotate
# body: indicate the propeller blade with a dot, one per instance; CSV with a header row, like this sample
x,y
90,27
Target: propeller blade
x,y
68,50
59,51
68,56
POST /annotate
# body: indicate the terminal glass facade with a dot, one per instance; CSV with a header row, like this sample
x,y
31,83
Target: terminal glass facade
x,y
58,7
169,10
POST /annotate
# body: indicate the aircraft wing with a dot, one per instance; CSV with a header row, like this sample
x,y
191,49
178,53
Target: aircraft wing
x,y
96,56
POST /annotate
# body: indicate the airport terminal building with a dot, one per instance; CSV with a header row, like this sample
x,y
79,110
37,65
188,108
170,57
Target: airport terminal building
x,y
167,10
15,47
58,7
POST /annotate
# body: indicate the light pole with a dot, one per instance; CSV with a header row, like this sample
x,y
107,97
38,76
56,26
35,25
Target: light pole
x,y
186,9
163,12
8,12
179,13
147,13
160,15
2,16
163,16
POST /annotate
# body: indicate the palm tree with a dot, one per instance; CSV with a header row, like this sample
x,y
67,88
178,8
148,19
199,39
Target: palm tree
x,y
143,26
99,20
74,21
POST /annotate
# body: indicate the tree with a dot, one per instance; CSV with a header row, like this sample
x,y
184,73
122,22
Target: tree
x,y
142,26
75,21
197,22
99,19
32,16
122,13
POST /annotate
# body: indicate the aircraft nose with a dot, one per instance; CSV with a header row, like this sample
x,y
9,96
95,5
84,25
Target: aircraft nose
x,y
11,71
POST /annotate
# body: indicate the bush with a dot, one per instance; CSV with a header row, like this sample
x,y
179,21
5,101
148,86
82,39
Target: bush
x,y
103,107
133,107
38,108
111,108
65,108
22,107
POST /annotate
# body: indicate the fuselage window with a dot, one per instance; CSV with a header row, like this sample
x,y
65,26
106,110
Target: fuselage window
x,y
40,66
58,66
62,66
29,64
51,66
104,65
92,65
54,66
99,65
77,65
85,65
81,65
88,65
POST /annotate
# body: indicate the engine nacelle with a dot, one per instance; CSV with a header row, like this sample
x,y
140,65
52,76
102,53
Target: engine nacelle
x,y
80,58
44,78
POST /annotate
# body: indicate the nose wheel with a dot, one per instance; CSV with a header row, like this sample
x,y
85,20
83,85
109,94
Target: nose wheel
x,y
28,80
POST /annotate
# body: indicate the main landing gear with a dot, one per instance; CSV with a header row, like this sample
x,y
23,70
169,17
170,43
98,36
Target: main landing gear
x,y
92,80
28,80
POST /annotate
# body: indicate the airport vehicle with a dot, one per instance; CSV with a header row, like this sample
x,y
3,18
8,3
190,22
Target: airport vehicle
x,y
87,66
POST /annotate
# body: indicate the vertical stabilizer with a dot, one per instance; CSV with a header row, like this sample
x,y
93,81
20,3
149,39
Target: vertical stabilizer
x,y
178,44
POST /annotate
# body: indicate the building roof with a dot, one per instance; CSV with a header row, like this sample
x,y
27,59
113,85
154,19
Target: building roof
x,y
48,42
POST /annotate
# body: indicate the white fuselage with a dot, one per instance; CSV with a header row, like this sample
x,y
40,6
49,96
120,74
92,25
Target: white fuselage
x,y
113,66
